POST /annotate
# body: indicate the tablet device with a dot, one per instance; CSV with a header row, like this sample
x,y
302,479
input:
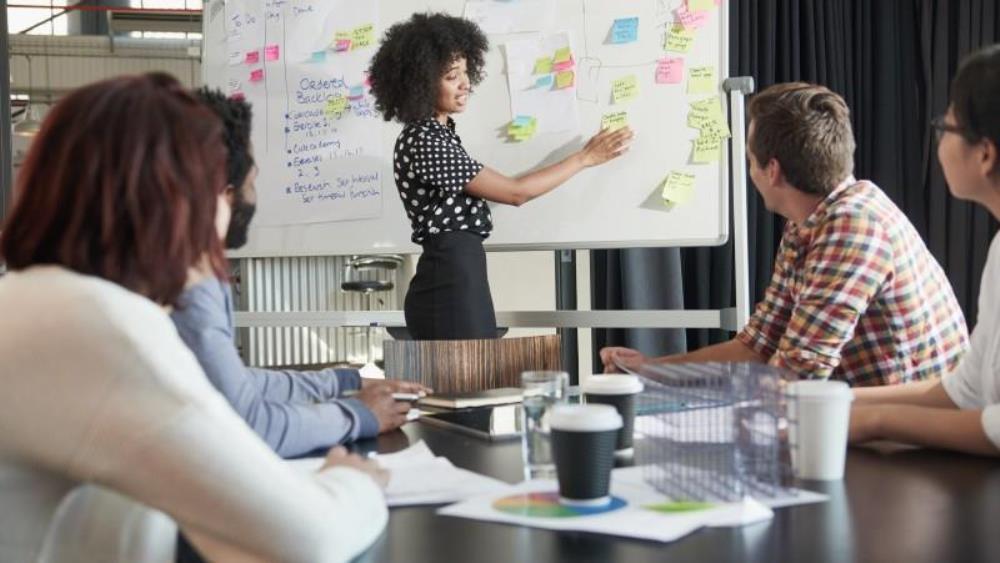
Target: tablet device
x,y
487,423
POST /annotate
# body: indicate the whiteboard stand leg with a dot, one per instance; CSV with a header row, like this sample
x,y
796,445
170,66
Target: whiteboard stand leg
x,y
738,88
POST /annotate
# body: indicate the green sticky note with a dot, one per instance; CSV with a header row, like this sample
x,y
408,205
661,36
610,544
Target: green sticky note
x,y
614,121
706,149
679,39
564,79
522,128
625,89
700,5
543,66
563,54
335,106
701,80
678,188
363,36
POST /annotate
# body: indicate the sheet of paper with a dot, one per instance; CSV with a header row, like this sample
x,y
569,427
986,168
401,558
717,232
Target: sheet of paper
x,y
417,477
554,108
636,510
670,70
701,80
679,39
501,17
625,89
625,30
678,187
614,121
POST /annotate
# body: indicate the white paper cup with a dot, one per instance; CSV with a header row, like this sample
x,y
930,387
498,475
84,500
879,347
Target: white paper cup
x,y
819,414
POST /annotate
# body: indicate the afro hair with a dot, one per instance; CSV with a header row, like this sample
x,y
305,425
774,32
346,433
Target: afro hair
x,y
236,116
414,55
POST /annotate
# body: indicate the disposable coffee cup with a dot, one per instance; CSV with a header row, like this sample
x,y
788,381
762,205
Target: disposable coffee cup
x,y
583,448
819,414
618,391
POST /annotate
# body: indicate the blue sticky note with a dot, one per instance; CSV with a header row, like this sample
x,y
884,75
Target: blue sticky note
x,y
522,120
544,81
625,30
318,57
357,92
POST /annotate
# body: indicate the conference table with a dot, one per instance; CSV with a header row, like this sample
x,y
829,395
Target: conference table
x,y
894,504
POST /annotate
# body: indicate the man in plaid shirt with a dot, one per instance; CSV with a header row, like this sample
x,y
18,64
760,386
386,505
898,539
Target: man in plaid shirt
x,y
855,294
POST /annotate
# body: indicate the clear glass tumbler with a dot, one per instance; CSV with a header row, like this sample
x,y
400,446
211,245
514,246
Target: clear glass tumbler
x,y
542,390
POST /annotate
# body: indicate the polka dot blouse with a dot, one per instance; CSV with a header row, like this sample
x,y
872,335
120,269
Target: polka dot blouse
x,y
432,169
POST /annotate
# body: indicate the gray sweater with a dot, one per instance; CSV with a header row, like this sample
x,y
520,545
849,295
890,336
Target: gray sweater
x,y
295,412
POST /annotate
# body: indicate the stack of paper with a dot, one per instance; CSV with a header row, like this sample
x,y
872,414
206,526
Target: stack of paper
x,y
417,476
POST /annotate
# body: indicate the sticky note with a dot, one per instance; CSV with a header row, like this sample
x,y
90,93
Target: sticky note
x,y
562,55
257,75
317,57
679,39
335,106
625,30
706,149
363,36
522,128
563,65
689,19
701,80
252,58
342,41
543,66
701,5
614,121
625,89
670,70
564,79
678,187
706,115
235,58
237,96
271,53
544,81
356,92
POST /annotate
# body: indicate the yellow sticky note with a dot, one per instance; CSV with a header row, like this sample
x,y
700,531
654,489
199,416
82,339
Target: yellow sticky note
x,y
564,79
701,80
625,89
362,36
700,5
336,105
678,187
706,149
562,55
707,113
679,39
614,121
543,66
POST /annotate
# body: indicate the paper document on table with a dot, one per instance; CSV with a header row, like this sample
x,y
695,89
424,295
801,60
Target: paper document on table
x,y
416,477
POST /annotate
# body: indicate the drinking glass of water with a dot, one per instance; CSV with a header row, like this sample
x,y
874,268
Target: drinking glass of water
x,y
542,390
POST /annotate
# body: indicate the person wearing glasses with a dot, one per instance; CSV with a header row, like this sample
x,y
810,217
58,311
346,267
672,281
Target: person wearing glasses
x,y
962,410
855,296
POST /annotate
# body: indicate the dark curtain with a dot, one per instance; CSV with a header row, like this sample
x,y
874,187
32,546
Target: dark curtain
x,y
893,61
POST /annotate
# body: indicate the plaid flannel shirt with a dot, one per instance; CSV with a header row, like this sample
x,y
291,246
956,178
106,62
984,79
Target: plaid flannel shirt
x,y
857,296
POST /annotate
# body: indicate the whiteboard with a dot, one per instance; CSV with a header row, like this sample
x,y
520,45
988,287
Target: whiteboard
x,y
611,206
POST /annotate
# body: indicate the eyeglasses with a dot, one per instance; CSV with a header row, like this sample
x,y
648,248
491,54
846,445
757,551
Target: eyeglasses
x,y
940,127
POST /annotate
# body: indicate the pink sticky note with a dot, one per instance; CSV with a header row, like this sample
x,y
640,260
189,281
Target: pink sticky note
x,y
670,70
253,57
565,65
271,53
257,75
689,19
342,45
237,96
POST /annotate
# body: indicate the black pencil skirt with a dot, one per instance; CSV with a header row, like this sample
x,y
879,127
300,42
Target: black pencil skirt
x,y
449,297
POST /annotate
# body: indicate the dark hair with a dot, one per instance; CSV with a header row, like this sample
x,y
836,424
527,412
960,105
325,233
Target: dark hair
x,y
122,183
406,71
236,116
975,96
807,128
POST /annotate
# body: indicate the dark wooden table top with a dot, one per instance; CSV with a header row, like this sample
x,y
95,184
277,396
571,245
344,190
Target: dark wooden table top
x,y
894,504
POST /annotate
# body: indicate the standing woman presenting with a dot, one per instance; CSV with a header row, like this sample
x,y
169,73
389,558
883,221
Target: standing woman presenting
x,y
423,73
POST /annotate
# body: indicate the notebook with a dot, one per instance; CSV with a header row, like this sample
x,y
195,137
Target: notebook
x,y
501,396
